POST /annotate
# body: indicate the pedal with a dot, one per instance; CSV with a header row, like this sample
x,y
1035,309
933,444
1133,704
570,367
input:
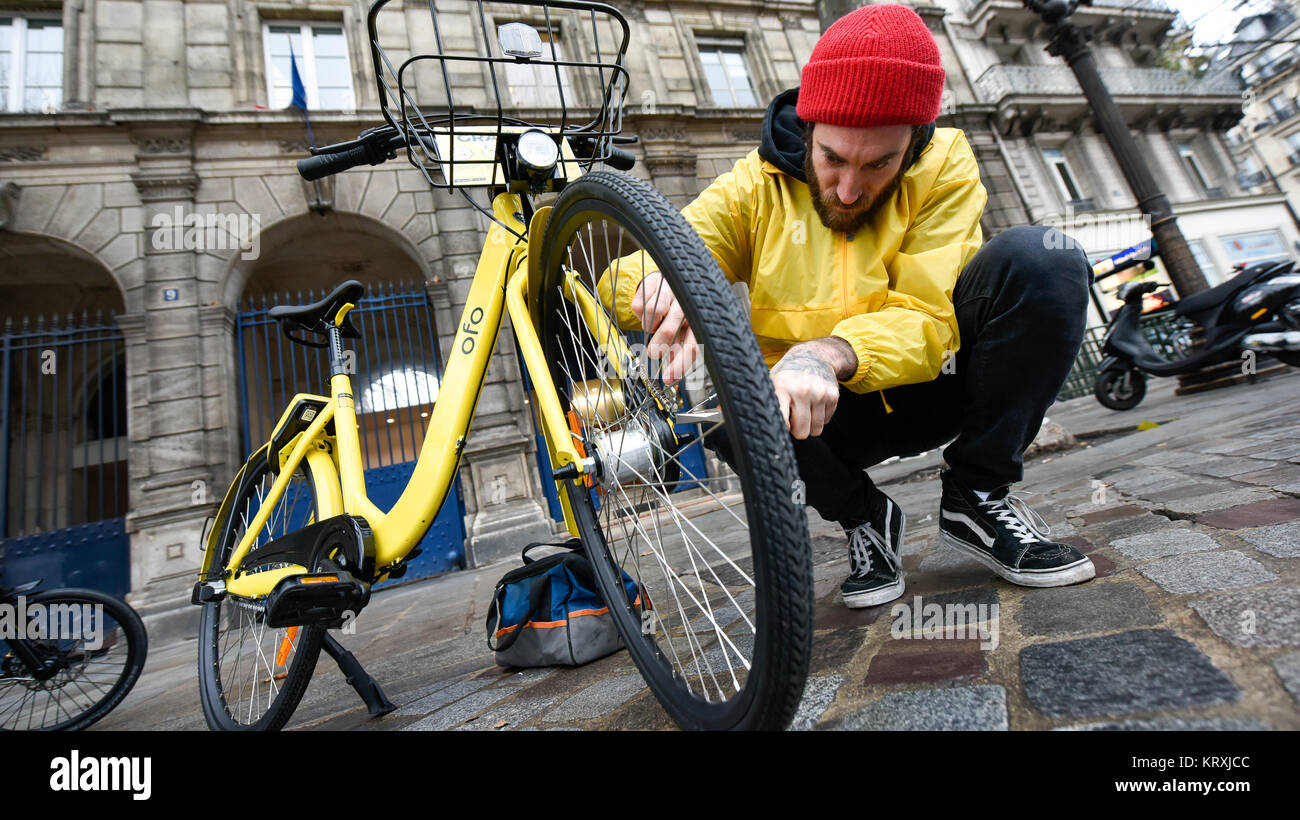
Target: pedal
x,y
316,599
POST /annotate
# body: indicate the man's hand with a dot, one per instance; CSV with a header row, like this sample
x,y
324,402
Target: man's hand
x,y
807,383
657,308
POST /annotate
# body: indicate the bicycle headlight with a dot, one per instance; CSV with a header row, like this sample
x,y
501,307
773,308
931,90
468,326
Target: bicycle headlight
x,y
537,151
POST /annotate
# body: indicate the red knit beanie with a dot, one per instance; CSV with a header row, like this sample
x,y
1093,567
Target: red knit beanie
x,y
878,65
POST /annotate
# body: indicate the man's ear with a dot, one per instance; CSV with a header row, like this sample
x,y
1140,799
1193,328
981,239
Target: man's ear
x,y
922,139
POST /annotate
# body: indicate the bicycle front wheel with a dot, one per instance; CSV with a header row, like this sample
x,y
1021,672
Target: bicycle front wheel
x,y
90,656
693,498
252,676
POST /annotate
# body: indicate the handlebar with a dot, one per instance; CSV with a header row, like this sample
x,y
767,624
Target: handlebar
x,y
379,145
369,149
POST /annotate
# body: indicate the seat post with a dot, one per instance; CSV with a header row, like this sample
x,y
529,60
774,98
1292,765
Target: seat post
x,y
338,362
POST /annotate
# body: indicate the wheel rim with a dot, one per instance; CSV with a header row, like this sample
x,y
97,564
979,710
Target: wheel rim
x,y
89,666
689,551
252,660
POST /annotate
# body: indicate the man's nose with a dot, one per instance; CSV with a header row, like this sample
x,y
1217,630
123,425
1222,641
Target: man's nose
x,y
848,191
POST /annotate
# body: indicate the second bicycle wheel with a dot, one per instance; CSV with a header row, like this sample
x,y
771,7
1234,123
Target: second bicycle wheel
x,y
91,656
722,628
251,675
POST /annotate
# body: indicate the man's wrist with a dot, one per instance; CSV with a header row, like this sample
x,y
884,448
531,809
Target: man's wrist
x,y
838,355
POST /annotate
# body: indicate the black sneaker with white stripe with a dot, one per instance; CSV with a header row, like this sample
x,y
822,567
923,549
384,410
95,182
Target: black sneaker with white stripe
x,y
876,574
1004,534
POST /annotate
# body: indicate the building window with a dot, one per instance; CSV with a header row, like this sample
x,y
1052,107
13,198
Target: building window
x,y
726,72
321,52
1063,176
31,64
1254,247
1192,165
540,86
1293,144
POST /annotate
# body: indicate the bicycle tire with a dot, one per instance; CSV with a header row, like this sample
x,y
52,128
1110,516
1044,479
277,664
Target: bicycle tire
x,y
771,588
304,644
76,658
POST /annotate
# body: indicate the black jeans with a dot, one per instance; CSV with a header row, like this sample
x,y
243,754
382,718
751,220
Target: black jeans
x,y
1021,306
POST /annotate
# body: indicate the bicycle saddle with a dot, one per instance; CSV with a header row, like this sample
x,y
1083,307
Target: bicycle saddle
x,y
318,317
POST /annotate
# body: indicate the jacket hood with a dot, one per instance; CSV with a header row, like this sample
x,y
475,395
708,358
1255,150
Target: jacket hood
x,y
782,143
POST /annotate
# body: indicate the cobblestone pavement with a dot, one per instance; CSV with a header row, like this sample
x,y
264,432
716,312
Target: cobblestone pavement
x,y
1193,620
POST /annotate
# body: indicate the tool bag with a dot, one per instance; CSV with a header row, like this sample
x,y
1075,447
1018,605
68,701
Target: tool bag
x,y
550,612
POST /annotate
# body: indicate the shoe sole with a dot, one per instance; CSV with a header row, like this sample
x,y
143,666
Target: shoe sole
x,y
876,597
1075,573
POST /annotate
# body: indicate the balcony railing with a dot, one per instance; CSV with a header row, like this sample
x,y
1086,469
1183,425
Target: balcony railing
x,y
1214,193
1001,81
1159,6
1283,114
1083,206
1294,158
1251,180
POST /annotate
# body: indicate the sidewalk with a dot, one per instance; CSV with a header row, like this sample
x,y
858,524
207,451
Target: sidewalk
x,y
1193,621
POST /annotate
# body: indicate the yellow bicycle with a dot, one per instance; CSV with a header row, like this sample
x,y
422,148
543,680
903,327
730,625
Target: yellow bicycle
x,y
722,625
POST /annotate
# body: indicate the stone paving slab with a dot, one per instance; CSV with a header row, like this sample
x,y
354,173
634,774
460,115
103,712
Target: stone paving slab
x,y
1173,724
1085,608
598,699
1206,572
459,711
818,694
1266,617
1288,669
505,716
1260,514
442,696
1218,500
1164,542
1279,540
1141,671
967,708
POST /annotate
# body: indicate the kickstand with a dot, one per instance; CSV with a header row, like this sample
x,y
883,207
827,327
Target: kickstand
x,y
359,679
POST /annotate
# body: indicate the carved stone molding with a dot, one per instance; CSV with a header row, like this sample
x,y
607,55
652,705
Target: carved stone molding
x,y
633,9
663,134
791,21
162,188
164,145
674,165
746,133
21,153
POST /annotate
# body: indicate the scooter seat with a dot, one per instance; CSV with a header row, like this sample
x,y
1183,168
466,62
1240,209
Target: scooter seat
x,y
1219,294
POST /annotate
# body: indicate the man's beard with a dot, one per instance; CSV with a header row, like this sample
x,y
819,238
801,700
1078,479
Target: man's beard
x,y
827,203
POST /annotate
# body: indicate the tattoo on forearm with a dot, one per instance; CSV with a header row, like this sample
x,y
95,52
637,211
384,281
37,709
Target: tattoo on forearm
x,y
805,361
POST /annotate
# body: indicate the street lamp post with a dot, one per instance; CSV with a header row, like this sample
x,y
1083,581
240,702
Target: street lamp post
x,y
1071,43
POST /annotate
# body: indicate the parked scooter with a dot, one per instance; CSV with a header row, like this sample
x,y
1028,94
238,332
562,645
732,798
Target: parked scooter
x,y
1256,310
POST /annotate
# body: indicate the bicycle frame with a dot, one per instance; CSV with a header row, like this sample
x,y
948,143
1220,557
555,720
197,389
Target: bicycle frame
x,y
501,282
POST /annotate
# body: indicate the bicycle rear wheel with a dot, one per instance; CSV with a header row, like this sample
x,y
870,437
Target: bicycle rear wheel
x,y
91,655
721,628
251,676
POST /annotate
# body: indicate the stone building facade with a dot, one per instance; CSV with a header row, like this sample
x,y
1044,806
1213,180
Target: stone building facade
x,y
122,116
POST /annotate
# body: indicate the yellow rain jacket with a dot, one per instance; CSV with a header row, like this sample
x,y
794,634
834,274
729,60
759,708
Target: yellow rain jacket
x,y
887,289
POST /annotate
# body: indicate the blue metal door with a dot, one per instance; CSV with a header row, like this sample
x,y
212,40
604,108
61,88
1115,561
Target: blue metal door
x,y
63,446
396,378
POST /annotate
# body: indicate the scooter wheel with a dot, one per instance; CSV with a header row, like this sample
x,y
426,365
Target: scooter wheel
x,y
1120,389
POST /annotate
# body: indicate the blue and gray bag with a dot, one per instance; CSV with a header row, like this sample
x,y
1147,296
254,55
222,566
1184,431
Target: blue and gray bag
x,y
550,612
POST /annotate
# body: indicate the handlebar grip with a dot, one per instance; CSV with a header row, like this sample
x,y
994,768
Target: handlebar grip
x,y
620,159
313,168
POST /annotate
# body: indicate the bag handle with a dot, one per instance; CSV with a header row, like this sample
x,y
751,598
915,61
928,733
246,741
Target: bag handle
x,y
535,592
574,544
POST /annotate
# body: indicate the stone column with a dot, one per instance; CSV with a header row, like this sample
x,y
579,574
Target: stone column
x,y
174,445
